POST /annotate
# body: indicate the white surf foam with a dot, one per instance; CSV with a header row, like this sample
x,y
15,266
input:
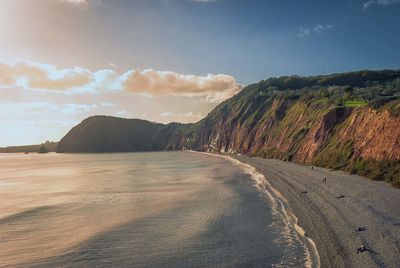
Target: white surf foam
x,y
280,207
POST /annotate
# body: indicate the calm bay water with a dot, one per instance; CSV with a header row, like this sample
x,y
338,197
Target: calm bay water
x,y
164,209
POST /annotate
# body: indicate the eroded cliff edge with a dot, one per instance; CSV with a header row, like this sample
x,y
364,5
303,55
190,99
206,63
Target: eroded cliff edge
x,y
347,121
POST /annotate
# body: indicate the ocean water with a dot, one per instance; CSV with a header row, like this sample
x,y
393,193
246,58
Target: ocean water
x,y
159,209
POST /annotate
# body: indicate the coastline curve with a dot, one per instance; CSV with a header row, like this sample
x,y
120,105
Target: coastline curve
x,y
281,208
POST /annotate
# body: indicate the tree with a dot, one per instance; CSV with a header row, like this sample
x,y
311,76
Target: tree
x,y
348,92
43,150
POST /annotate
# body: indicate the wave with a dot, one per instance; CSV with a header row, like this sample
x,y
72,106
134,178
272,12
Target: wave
x,y
280,208
23,215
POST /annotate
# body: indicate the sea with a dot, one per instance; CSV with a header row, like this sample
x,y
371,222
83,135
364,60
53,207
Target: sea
x,y
152,209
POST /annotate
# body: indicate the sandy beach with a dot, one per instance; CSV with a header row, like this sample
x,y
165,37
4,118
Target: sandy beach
x,y
332,212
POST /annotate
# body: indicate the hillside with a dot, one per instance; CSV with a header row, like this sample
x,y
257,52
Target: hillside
x,y
111,134
347,121
49,147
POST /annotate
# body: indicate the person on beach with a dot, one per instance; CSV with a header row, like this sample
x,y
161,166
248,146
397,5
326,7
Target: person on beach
x,y
361,249
324,180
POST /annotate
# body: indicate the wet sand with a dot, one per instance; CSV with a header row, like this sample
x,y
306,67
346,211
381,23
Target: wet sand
x,y
331,212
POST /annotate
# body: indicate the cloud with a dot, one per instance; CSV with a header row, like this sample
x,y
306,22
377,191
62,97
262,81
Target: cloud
x,y
39,76
161,83
51,108
380,3
188,114
48,124
84,4
203,1
42,76
303,32
188,117
317,29
128,114
165,114
75,2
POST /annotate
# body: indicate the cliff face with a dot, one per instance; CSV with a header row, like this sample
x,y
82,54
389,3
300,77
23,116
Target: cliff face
x,y
361,140
316,120
301,132
375,134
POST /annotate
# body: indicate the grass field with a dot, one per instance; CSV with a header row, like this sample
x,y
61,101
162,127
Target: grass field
x,y
354,103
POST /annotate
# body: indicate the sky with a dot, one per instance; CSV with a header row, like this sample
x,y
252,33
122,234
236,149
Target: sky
x,y
171,60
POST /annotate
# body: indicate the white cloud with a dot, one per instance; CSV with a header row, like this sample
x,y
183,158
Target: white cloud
x,y
39,76
33,75
165,114
317,29
203,1
75,108
84,4
303,32
51,108
49,124
380,2
121,113
75,2
187,117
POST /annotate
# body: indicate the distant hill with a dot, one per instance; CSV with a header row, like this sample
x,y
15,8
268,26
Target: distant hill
x,y
49,147
347,121
112,134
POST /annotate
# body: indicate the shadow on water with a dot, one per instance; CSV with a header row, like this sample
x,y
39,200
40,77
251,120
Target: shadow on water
x,y
26,215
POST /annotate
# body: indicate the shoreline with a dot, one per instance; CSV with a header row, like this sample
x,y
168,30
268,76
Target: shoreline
x,y
313,258
330,221
329,213
278,200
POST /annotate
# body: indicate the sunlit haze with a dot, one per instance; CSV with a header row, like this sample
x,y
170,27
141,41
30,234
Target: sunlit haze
x,y
171,60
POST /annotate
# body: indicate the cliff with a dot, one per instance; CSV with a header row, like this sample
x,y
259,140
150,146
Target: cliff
x,y
345,121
